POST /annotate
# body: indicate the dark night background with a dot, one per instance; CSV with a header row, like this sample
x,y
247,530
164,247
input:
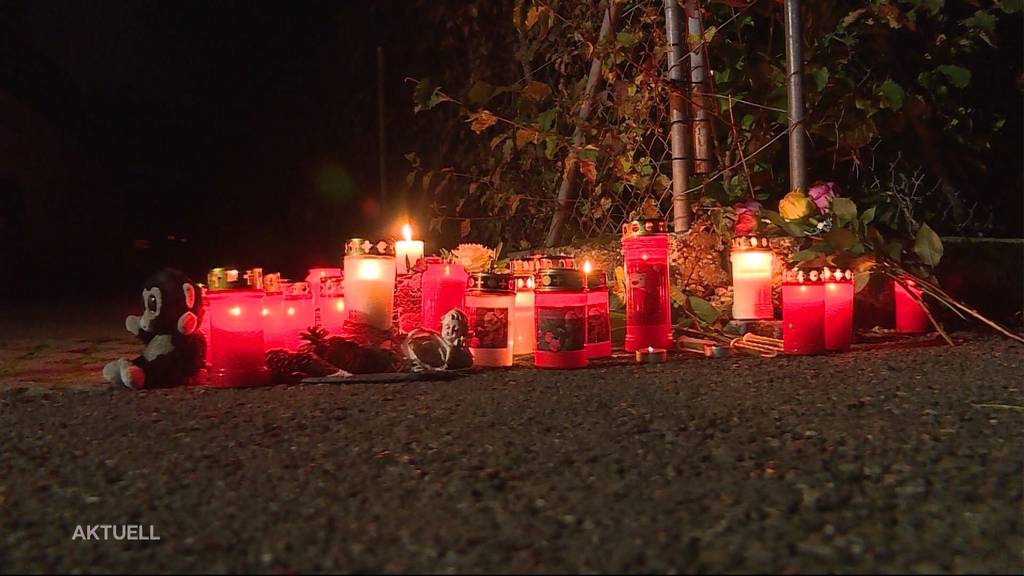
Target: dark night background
x,y
195,133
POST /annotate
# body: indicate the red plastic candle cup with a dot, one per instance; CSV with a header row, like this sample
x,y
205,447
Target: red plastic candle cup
x,y
524,327
648,304
838,309
752,279
314,276
442,289
273,321
803,313
332,303
204,326
910,317
490,304
560,312
599,325
236,338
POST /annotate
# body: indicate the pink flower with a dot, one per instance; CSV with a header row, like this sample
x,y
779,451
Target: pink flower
x,y
822,193
746,217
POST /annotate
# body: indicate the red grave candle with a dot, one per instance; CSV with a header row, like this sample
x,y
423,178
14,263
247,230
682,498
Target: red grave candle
x,y
599,326
490,306
910,317
560,311
803,313
838,309
443,288
236,338
332,303
648,304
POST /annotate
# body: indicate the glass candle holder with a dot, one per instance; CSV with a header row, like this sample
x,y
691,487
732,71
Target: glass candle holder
x,y
524,329
236,338
332,303
273,320
490,305
443,288
838,309
910,317
599,323
369,283
803,313
752,279
648,302
560,309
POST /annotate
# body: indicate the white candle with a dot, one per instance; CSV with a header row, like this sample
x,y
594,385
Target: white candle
x,y
369,289
408,252
752,285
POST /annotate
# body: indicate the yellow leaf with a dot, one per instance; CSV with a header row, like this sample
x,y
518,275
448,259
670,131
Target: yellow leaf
x,y
533,15
526,135
536,90
482,120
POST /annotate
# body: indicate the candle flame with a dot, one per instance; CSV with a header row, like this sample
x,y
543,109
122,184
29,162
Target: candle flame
x,y
291,311
236,311
587,267
447,270
530,283
265,312
407,232
368,270
650,349
340,305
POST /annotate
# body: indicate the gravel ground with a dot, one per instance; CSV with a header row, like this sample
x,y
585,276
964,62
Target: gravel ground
x,y
872,461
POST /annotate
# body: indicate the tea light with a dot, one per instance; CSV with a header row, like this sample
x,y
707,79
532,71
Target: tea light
x,y
524,329
651,355
838,309
803,313
490,301
443,288
910,317
648,303
236,338
752,279
369,283
408,251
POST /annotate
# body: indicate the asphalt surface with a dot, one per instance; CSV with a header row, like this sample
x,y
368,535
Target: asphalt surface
x,y
872,461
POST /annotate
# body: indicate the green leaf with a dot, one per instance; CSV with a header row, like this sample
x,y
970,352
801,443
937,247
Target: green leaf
x,y
958,75
981,20
860,280
841,239
820,76
928,245
480,93
892,93
547,119
703,309
868,216
844,209
625,39
589,153
1010,6
894,250
805,255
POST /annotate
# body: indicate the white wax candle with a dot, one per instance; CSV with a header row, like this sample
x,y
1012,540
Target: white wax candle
x,y
408,252
370,290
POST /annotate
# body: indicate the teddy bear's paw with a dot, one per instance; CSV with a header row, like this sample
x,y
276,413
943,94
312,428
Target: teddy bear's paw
x,y
132,376
112,372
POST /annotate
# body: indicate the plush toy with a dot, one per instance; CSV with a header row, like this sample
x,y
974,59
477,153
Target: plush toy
x,y
169,326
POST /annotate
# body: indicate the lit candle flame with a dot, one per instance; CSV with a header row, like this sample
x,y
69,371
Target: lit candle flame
x,y
236,311
340,305
650,349
407,232
587,267
265,312
369,270
291,311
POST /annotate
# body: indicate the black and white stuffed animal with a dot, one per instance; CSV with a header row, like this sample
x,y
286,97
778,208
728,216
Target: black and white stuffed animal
x,y
169,326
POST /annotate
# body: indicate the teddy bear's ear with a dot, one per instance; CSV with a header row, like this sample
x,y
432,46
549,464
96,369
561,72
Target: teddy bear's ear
x,y
190,295
187,323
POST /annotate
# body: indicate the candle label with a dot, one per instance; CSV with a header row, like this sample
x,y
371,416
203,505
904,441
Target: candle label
x,y
488,327
648,293
561,329
598,324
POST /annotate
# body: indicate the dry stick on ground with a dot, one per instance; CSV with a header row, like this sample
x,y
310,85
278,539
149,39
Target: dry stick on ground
x,y
571,170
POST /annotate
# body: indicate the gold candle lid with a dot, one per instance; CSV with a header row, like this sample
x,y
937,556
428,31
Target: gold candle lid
x,y
837,275
751,243
491,283
560,280
363,247
524,282
644,227
804,276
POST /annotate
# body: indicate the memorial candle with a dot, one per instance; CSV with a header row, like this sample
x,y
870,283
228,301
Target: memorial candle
x,y
443,288
314,276
524,330
369,283
560,309
236,338
838,309
408,251
332,303
910,317
752,279
648,304
490,304
599,326
803,313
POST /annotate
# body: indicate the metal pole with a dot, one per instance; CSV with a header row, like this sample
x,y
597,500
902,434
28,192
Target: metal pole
x,y
698,77
795,69
381,132
679,122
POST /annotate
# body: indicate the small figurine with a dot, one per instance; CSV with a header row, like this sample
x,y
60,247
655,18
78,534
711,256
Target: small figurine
x,y
429,351
175,349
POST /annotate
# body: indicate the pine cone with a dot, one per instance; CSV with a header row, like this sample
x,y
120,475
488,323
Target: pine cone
x,y
317,337
288,366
